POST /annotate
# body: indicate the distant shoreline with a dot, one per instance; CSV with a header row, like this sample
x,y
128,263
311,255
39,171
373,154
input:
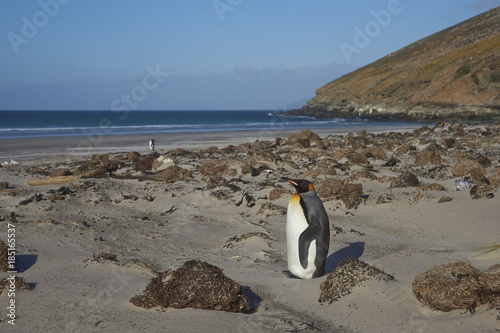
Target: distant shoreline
x,y
61,147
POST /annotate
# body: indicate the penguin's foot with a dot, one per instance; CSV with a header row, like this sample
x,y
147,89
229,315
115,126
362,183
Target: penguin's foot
x,y
289,274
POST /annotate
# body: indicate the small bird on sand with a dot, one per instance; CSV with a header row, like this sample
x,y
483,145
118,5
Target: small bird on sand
x,y
307,231
152,144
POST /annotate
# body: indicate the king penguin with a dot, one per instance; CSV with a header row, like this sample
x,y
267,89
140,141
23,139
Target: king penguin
x,y
307,232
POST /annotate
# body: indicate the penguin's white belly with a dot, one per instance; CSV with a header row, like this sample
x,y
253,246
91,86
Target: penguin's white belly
x,y
296,223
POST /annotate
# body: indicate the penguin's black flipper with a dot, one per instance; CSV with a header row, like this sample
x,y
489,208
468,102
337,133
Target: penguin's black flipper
x,y
305,239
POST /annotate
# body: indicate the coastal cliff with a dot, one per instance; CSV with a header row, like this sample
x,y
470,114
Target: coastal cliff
x,y
451,75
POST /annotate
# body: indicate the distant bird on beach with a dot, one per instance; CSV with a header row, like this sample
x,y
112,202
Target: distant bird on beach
x,y
152,144
307,231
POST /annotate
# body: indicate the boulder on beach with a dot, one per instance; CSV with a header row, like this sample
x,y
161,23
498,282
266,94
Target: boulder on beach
x,y
174,174
305,135
321,169
329,189
351,195
481,191
348,274
195,284
98,166
406,179
427,157
133,155
458,286
143,163
465,166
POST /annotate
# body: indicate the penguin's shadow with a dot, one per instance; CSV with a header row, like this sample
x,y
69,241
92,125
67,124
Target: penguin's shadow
x,y
354,250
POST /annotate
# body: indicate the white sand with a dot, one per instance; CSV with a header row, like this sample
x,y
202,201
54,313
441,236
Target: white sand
x,y
402,238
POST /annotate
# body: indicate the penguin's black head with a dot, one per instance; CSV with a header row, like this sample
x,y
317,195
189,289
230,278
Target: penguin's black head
x,y
301,185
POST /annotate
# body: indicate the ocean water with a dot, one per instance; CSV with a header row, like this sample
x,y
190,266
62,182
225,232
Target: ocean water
x,y
22,124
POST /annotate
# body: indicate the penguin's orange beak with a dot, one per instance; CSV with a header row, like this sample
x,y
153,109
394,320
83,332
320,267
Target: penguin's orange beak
x,y
292,182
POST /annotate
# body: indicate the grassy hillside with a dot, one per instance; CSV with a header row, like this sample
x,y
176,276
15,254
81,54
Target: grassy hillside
x,y
454,73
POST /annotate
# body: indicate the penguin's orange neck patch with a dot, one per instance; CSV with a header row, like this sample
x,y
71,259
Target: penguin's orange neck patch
x,y
311,187
295,197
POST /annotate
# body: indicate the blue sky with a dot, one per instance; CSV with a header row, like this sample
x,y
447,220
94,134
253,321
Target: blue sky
x,y
200,54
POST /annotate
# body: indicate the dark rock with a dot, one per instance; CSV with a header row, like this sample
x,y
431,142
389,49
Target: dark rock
x,y
329,189
196,285
321,169
304,143
148,198
97,167
464,167
375,152
174,174
38,171
4,264
495,179
4,185
448,143
214,181
404,149
362,174
305,134
351,195
478,178
348,274
484,161
35,197
133,155
457,286
391,162
481,191
100,157
229,150
256,171
426,157
248,198
406,179
214,168
211,150
357,158
419,131
395,136
355,142
129,197
60,172
143,163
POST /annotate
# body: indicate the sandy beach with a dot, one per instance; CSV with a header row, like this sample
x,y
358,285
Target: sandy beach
x,y
94,223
